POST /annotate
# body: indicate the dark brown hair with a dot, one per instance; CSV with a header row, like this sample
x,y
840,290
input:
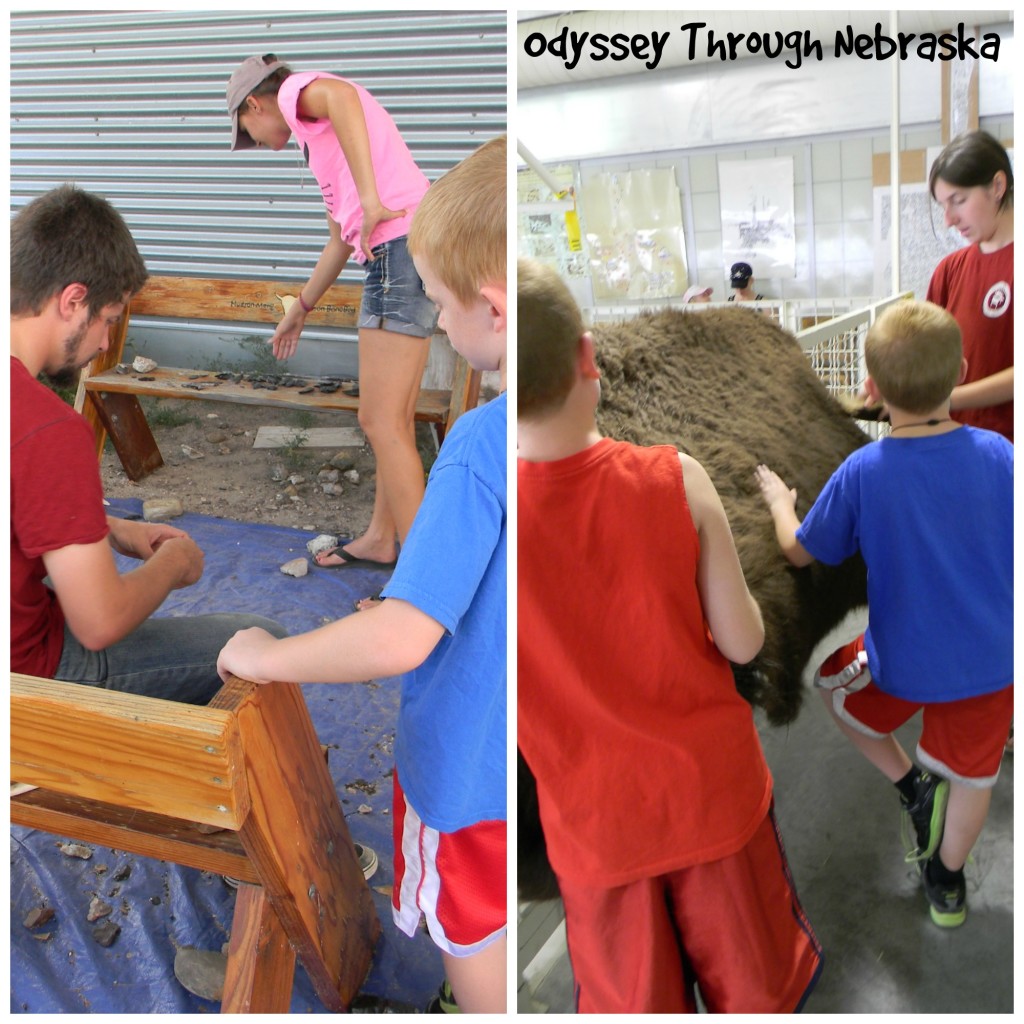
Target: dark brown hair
x,y
973,159
67,236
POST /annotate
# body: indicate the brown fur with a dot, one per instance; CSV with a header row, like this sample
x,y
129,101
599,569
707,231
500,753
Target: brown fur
x,y
731,389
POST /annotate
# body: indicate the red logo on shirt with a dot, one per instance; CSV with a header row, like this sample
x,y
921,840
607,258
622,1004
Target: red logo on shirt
x,y
997,300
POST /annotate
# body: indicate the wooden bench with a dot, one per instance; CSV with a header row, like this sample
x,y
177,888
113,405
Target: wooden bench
x,y
239,788
108,399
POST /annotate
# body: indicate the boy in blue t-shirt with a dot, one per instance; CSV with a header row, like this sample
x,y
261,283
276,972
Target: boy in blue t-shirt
x,y
443,623
930,508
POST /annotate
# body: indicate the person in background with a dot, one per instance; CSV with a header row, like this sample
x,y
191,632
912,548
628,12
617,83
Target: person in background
x,y
697,293
741,277
972,180
371,188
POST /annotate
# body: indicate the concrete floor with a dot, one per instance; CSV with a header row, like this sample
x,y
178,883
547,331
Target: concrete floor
x,y
840,822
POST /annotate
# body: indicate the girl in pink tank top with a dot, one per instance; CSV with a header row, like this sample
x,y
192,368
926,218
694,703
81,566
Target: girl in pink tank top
x,y
371,187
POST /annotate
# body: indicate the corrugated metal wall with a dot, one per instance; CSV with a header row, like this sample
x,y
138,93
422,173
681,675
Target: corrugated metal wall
x,y
131,105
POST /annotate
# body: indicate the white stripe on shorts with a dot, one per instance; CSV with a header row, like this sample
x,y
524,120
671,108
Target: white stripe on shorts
x,y
421,883
421,887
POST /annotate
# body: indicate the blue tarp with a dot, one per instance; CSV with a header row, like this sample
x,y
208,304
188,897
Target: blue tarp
x,y
160,907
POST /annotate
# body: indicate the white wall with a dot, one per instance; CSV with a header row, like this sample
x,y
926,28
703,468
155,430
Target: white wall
x,y
833,207
830,124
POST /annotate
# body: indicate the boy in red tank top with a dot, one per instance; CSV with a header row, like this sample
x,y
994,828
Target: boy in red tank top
x,y
654,794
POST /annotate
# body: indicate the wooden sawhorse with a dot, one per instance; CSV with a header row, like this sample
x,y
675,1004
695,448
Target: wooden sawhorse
x,y
248,765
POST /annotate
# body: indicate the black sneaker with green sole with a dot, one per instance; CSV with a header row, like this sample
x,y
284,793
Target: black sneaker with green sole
x,y
926,814
947,900
444,1001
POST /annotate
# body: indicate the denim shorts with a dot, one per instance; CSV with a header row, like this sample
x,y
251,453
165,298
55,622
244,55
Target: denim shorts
x,y
393,298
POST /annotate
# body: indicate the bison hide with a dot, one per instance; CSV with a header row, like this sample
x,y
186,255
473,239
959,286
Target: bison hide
x,y
732,389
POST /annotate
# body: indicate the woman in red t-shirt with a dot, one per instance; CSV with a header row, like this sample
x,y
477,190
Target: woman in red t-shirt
x,y
972,181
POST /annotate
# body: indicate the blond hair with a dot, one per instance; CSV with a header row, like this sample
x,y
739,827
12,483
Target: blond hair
x,y
549,329
459,227
913,353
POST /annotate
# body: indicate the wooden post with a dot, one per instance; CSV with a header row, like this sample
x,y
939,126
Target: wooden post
x,y
261,962
104,361
121,418
297,838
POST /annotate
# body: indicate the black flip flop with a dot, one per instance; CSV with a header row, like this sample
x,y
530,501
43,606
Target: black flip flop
x,y
355,563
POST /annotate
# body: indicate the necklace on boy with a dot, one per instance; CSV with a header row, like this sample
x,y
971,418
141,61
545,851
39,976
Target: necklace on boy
x,y
922,423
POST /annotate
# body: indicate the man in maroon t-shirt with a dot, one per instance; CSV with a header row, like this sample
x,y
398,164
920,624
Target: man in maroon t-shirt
x,y
74,616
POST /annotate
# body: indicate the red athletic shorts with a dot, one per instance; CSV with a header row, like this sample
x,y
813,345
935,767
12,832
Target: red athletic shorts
x,y
734,928
456,880
961,740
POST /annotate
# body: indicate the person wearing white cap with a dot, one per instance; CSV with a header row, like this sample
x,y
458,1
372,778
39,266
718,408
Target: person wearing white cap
x,y
697,293
371,187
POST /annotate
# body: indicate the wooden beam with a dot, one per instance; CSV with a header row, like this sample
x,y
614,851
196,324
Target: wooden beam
x,y
298,840
104,361
265,302
121,418
122,828
465,391
114,764
912,168
199,385
261,962
224,299
153,755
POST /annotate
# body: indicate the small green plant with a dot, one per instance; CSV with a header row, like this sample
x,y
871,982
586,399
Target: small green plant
x,y
295,448
303,419
263,360
298,458
166,414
